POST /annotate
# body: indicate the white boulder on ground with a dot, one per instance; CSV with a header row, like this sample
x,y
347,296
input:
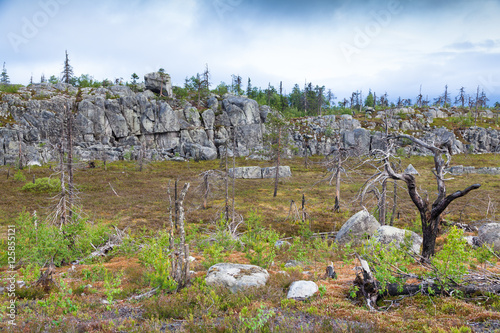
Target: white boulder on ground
x,y
301,290
387,234
356,229
236,277
489,233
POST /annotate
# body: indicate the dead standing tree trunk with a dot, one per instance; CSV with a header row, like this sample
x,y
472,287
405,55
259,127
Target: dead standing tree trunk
x,y
430,215
277,176
180,258
69,142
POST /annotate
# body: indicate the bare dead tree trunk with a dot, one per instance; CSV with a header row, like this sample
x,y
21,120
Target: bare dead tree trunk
x,y
477,103
306,161
278,153
234,171
304,213
180,207
20,150
141,156
63,188
227,186
176,207
336,208
170,219
394,203
382,203
205,190
69,142
430,215
182,255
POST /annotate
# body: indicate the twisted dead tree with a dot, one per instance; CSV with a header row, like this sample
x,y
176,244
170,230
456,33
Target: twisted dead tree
x,y
430,214
340,156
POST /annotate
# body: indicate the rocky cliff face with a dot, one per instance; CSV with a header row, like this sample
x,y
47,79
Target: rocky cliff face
x,y
114,122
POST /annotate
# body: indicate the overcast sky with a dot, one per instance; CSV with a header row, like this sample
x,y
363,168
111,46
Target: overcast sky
x,y
387,46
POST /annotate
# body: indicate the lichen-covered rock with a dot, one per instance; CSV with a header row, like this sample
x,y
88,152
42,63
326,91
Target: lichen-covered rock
x,y
357,228
236,277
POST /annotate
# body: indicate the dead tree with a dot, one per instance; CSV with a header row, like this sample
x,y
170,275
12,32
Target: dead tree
x,y
277,140
180,257
277,176
69,164
340,156
430,214
211,180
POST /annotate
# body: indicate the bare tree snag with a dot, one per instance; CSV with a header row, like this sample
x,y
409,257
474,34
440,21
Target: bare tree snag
x,y
382,203
234,172
227,185
430,215
366,283
20,151
69,164
276,179
170,218
394,203
180,258
205,190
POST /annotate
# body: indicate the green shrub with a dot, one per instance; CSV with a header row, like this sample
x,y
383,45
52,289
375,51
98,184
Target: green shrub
x,y
257,321
39,241
155,256
260,249
10,88
452,262
19,176
213,254
43,185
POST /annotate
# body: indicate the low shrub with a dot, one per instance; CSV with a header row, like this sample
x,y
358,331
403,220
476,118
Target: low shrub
x,y
38,241
43,185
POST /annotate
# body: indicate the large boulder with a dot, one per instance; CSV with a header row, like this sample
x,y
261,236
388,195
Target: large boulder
x,y
236,277
159,81
489,233
387,235
359,226
302,290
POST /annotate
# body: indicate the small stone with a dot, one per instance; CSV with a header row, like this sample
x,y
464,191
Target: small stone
x,y
280,243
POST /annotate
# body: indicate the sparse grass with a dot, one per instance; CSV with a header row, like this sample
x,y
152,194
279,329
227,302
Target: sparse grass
x,y
141,205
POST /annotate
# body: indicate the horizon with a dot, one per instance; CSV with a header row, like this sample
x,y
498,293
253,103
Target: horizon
x,y
347,46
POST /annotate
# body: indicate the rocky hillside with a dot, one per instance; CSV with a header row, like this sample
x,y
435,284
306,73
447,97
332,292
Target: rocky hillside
x,y
115,122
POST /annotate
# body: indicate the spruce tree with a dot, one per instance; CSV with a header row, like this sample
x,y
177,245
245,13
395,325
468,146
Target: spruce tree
x,y
67,72
4,78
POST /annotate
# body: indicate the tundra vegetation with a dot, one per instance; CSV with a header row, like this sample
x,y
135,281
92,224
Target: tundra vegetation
x,y
97,294
124,246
